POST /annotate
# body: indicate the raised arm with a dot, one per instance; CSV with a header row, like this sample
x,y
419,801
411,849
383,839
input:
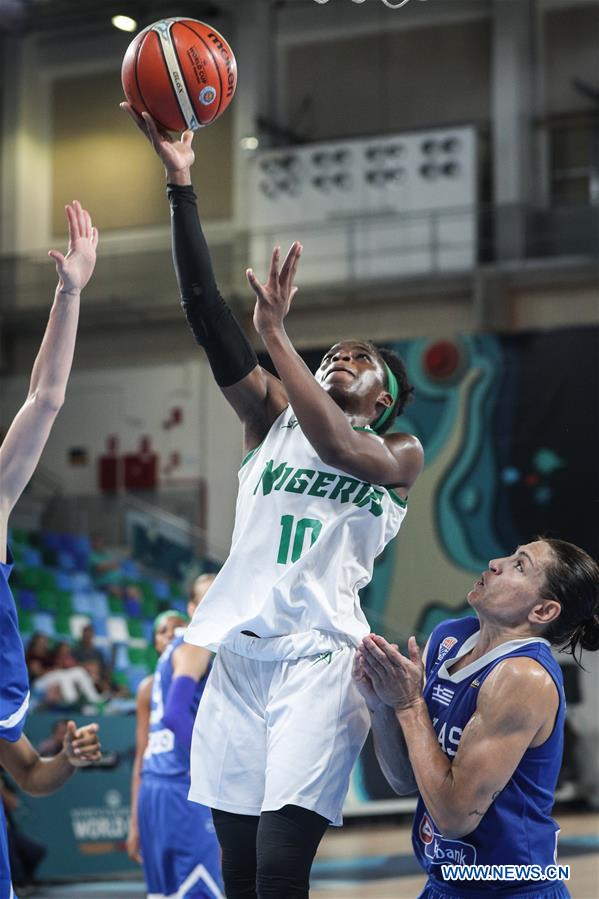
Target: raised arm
x,y
516,709
28,433
142,730
395,460
255,395
39,776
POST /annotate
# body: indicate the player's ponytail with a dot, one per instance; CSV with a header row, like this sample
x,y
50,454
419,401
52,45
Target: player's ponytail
x,y
572,579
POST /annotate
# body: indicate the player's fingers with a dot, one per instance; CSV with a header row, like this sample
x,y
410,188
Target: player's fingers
x,y
73,223
273,272
391,652
135,116
80,218
294,290
187,138
95,237
296,258
376,652
57,257
155,134
414,651
253,282
287,266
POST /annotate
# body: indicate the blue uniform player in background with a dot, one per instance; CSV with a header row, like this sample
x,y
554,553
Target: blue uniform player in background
x,y
172,837
19,454
477,728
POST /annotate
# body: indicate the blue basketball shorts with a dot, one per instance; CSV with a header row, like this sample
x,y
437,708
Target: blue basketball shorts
x,y
434,889
180,852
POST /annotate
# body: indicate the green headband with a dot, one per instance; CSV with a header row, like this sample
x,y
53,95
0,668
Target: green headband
x,y
393,388
170,613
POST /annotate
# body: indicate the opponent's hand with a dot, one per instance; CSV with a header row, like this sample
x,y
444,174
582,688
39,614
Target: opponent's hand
x,y
397,680
176,155
364,684
81,745
76,268
274,298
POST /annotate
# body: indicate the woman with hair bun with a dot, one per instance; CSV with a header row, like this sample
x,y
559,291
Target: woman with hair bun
x,y
477,725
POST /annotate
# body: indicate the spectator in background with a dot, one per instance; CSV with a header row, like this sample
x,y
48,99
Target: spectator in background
x,y
38,656
52,745
84,651
73,680
104,563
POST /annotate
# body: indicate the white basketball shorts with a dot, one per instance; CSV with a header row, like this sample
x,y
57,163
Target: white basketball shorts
x,y
270,733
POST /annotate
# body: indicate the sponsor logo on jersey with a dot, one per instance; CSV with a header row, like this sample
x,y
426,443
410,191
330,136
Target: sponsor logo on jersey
x,y
322,484
292,423
445,646
443,695
441,851
475,683
426,831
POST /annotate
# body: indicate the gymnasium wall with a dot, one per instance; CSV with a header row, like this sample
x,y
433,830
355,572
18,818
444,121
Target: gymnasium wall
x,y
377,83
98,155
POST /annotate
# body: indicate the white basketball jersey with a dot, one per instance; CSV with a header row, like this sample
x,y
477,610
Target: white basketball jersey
x,y
305,540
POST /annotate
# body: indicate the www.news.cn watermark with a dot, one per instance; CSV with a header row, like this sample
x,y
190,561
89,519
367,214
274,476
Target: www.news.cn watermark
x,y
392,4
505,872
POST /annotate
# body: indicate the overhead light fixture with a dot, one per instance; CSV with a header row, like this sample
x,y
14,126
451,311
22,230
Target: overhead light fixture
x,y
124,23
249,143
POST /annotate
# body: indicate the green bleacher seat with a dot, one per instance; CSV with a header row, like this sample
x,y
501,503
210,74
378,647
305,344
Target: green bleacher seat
x,y
115,604
135,628
62,623
137,656
64,606
47,600
25,622
19,536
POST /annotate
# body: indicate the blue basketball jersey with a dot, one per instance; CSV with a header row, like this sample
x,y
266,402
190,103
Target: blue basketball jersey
x,y
14,695
164,755
518,827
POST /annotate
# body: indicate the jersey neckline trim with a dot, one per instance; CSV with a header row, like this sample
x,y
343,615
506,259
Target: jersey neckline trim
x,y
503,649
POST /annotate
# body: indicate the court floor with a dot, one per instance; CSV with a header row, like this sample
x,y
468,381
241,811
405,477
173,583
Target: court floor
x,y
377,861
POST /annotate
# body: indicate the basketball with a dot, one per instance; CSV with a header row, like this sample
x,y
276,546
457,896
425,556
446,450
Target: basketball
x,y
181,71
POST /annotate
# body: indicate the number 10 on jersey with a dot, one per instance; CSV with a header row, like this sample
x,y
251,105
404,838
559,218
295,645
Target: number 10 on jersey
x,y
294,533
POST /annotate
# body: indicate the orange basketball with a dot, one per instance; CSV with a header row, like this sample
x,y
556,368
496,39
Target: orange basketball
x,y
181,71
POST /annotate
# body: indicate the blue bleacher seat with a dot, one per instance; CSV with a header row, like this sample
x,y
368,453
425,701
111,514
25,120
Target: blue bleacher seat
x,y
129,568
121,657
50,540
132,608
27,600
32,556
44,623
66,560
81,581
99,625
161,589
64,580
99,604
82,603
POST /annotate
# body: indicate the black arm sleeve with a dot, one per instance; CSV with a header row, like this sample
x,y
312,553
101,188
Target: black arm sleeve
x,y
214,326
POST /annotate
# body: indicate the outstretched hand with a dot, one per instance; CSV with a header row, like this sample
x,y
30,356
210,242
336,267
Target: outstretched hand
x,y
398,681
81,745
176,155
76,268
274,297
